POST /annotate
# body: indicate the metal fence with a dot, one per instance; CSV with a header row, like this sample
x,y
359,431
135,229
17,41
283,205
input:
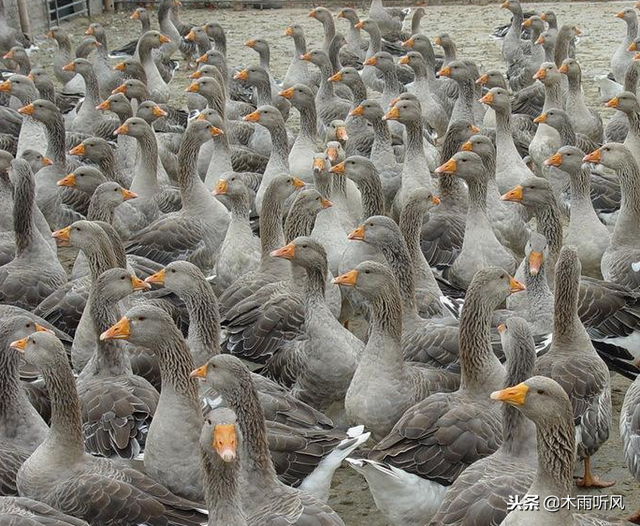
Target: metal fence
x,y
60,10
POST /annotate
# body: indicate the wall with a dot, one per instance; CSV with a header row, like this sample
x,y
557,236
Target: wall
x,y
38,15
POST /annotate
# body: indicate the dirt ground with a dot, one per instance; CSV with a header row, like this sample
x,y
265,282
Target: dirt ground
x,y
470,26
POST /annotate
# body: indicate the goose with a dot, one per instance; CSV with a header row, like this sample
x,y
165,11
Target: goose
x,y
240,250
543,401
585,121
355,42
32,132
346,56
35,271
142,15
465,107
265,93
197,230
35,512
298,71
520,73
273,501
411,459
585,231
19,55
271,238
509,222
403,384
65,101
22,429
627,104
302,441
46,475
369,73
307,142
570,347
629,432
263,49
108,78
480,247
157,86
513,47
492,480
330,106
622,57
622,251
220,441
71,82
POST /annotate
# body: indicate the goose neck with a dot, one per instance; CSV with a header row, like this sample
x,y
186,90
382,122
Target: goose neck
x,y
627,227
397,255
372,196
309,122
204,317
145,181
271,231
553,96
176,363
56,139
221,490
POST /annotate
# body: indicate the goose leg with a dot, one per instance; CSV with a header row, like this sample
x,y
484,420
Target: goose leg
x,y
592,481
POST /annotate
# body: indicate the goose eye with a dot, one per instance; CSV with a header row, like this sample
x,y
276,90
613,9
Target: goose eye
x,y
122,277
141,318
540,391
173,271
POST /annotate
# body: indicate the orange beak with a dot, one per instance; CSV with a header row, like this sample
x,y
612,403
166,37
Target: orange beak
x,y
68,180
437,41
122,130
200,372
5,86
613,103
122,88
159,112
119,331
359,25
337,169
27,110
467,147
288,32
392,115
40,328
306,56
357,111
563,69
250,43
475,129
89,31
450,167
288,93
502,328
193,88
224,440
504,5
404,60
164,40
445,72
61,236
50,34
196,75
540,74
435,200
594,157
127,194
526,23
541,40
357,234
69,67
318,164
341,133
285,252
513,395
135,15
252,117
78,150
408,43
202,58
554,160
215,132
632,47
241,75
46,161
157,278
481,81
332,153
620,15
8,55
637,57
139,284
540,118
104,105
19,345
336,78
515,285
372,61
221,188
513,195
535,262
326,204
297,183
349,279
191,36
313,14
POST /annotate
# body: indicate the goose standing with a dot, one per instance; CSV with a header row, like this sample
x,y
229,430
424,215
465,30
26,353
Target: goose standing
x,y
621,59
573,362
